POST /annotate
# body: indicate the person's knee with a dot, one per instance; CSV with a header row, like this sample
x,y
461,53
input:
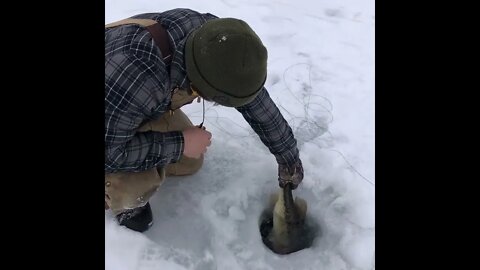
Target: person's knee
x,y
190,166
197,165
185,166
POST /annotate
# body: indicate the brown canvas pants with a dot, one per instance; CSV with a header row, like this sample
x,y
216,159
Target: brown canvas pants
x,y
128,190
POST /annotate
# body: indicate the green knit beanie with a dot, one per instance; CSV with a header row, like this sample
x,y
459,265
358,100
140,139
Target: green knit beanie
x,y
226,61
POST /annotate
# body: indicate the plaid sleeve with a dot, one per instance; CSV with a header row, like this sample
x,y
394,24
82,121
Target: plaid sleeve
x,y
133,89
266,120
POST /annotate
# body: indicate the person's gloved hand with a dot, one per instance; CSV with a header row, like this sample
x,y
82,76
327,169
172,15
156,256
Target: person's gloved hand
x,y
290,174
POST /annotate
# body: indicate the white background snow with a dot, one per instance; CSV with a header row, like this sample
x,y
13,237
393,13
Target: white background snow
x,y
321,75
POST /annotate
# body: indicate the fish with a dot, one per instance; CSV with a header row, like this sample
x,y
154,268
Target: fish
x,y
288,233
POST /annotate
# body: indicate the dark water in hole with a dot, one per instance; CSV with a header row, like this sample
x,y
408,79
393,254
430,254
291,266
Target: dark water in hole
x,y
310,232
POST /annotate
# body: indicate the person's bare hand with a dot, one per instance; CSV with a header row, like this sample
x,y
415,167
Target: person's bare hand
x,y
196,141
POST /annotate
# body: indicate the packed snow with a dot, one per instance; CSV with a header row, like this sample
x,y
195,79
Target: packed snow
x,y
321,71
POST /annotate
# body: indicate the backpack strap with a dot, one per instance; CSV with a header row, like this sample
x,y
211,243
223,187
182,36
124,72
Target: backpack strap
x,y
156,30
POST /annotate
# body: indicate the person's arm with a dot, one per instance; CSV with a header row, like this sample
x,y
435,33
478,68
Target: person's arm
x,y
266,120
134,88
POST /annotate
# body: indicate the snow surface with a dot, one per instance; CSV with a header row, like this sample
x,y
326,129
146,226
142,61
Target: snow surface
x,y
321,75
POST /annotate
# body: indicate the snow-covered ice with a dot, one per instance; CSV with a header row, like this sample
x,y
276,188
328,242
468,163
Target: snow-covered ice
x,y
321,75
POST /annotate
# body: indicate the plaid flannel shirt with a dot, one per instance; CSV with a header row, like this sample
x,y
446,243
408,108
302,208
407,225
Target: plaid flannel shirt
x,y
138,89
